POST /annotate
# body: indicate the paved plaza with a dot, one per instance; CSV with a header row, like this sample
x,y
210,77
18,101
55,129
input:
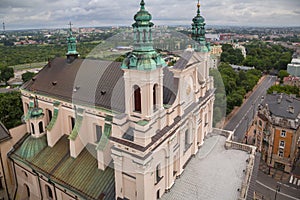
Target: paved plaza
x,y
214,173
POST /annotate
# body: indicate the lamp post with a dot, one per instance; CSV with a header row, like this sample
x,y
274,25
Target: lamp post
x,y
277,190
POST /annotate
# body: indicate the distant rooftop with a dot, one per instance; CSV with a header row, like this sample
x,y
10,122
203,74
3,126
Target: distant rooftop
x,y
283,105
244,68
215,173
296,61
4,133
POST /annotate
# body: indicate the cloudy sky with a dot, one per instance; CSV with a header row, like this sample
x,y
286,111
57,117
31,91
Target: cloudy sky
x,y
26,14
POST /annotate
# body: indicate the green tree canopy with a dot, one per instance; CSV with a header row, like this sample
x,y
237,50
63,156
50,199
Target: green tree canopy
x,y
287,89
6,73
282,74
11,109
230,55
27,76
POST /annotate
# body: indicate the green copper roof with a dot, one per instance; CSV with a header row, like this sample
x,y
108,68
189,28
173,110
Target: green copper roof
x,y
32,146
71,41
34,111
143,57
80,175
142,17
198,32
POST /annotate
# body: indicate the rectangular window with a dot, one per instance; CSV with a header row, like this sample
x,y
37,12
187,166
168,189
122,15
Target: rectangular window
x,y
49,115
72,122
98,133
283,133
158,176
281,144
49,192
187,139
1,186
280,153
206,120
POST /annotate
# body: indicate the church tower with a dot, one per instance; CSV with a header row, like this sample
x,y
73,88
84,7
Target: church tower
x,y
201,47
71,41
143,73
198,32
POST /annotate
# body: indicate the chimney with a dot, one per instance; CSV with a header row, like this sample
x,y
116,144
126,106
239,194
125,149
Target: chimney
x,y
279,98
291,109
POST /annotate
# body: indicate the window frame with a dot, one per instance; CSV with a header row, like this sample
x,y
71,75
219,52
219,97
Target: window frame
x,y
283,133
280,144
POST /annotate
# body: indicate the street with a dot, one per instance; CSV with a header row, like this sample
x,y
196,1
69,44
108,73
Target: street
x,y
242,120
267,186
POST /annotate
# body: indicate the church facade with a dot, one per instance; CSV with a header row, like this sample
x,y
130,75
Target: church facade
x,y
119,130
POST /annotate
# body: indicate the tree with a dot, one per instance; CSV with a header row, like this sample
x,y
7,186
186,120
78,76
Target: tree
x,y
6,73
282,74
11,109
27,76
287,89
230,55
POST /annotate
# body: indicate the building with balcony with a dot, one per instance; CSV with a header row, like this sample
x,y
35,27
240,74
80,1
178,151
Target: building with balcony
x,y
277,130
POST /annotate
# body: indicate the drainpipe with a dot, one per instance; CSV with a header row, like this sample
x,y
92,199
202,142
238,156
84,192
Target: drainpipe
x,y
39,182
4,176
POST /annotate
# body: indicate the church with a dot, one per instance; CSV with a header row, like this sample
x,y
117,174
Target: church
x,y
114,130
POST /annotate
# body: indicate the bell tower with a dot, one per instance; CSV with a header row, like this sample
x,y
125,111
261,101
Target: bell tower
x,y
201,47
198,32
143,73
72,54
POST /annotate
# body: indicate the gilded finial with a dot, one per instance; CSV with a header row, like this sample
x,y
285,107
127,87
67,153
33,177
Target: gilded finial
x,y
198,10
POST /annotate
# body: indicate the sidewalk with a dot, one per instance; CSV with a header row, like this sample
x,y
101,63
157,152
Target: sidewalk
x,y
276,174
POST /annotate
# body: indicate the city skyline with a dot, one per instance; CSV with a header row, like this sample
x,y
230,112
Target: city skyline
x,y
92,13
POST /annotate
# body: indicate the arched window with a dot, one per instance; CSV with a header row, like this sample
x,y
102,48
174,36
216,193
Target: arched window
x,y
32,128
187,139
49,113
138,36
26,191
144,37
41,128
155,87
49,192
137,99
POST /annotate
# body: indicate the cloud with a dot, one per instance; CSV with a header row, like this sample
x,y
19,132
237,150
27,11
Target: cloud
x,y
56,13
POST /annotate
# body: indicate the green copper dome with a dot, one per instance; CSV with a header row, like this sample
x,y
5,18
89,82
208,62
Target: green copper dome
x,y
32,146
142,17
36,112
198,18
144,56
71,41
198,32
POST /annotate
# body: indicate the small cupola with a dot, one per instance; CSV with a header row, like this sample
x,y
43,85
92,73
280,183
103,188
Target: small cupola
x,y
144,57
35,119
72,53
198,32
